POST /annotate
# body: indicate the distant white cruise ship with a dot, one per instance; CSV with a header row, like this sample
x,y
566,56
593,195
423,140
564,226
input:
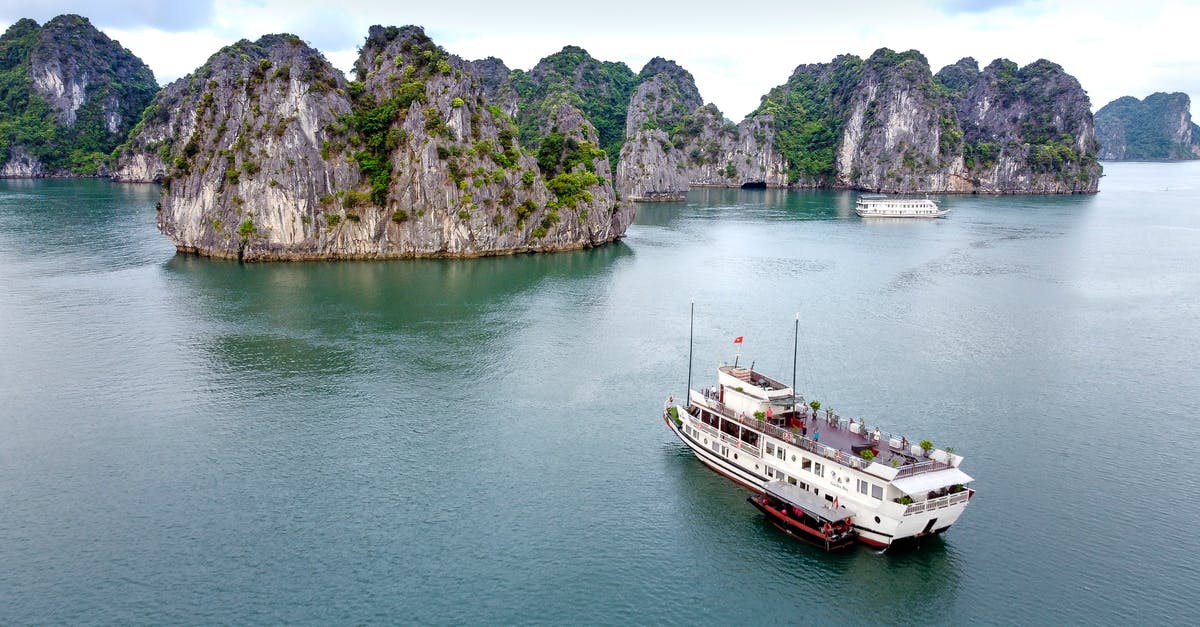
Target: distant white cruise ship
x,y
888,207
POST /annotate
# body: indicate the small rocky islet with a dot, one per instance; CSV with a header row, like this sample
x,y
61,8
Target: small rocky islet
x,y
267,152
1156,128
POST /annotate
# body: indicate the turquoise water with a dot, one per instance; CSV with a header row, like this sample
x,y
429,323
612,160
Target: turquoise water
x,y
197,441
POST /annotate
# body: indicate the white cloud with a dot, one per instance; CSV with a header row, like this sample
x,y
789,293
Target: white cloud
x,y
168,16
736,52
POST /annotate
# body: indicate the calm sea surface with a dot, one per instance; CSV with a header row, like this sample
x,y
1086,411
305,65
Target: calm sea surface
x,y
197,441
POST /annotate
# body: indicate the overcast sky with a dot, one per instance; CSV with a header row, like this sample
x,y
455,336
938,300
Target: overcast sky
x,y
737,51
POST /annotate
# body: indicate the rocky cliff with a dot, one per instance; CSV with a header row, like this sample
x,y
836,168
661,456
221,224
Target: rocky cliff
x,y
881,124
675,141
1159,128
68,96
266,152
1024,130
899,132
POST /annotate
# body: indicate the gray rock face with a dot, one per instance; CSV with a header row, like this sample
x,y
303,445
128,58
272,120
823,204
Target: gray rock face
x,y
496,80
284,160
675,142
238,147
1027,130
22,165
94,88
893,137
75,63
1158,128
883,124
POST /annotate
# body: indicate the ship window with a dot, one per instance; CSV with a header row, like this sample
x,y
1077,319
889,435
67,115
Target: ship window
x,y
770,449
770,472
779,452
792,480
862,486
806,464
877,491
818,470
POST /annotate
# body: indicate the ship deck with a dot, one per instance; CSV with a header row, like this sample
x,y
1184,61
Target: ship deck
x,y
827,434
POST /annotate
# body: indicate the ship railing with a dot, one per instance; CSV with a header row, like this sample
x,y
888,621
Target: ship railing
x,y
829,452
842,457
941,502
744,447
921,468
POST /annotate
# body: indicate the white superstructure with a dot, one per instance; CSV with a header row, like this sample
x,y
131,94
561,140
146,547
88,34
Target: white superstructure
x,y
904,491
887,207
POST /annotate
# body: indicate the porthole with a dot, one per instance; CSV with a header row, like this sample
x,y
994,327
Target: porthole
x,y
877,520
735,455
706,440
793,458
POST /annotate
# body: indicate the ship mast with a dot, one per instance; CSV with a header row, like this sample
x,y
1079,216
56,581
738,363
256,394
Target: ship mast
x,y
795,351
691,328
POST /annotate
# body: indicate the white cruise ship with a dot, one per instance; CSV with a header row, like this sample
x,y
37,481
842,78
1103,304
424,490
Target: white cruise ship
x,y
755,430
888,207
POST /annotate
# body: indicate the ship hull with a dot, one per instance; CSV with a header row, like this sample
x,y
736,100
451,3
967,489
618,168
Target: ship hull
x,y
742,476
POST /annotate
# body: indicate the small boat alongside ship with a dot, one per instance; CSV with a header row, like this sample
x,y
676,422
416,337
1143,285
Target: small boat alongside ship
x,y
804,516
809,469
878,206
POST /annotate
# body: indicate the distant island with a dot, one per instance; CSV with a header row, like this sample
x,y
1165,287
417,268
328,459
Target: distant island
x,y
1158,128
68,96
268,152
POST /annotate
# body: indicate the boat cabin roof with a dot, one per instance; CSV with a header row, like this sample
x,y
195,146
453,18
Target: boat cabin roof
x,y
755,378
802,499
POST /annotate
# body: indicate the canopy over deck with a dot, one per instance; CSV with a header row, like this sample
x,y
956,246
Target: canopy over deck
x,y
937,479
801,499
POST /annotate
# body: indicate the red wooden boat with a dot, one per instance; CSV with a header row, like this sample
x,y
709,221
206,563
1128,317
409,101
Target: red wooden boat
x,y
802,515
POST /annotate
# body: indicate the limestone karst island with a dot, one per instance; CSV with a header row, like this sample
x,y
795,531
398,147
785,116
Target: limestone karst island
x,y
268,152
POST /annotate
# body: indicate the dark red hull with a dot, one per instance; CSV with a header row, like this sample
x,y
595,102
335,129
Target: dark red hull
x,y
831,540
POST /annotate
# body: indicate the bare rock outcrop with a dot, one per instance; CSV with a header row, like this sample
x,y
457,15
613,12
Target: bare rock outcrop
x,y
675,142
267,153
1024,130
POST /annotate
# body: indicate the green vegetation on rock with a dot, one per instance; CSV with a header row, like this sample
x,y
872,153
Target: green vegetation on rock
x,y
809,112
1158,128
600,89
